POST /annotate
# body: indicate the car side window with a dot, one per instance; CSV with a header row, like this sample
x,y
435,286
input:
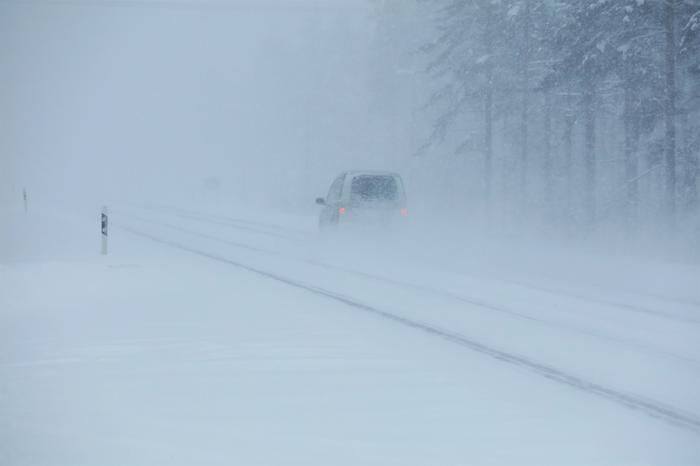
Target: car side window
x,y
336,190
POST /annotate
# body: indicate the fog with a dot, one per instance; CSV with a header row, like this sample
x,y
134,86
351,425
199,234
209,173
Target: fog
x,y
146,100
349,232
263,103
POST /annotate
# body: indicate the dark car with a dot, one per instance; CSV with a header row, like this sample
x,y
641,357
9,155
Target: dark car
x,y
363,198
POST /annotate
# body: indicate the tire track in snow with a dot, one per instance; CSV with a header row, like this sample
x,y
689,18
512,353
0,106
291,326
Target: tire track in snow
x,y
648,407
246,225
233,223
439,293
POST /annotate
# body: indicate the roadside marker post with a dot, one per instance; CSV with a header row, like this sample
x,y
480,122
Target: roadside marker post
x,y
24,197
104,230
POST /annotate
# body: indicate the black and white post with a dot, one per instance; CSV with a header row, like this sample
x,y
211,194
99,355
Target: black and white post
x,y
24,198
104,230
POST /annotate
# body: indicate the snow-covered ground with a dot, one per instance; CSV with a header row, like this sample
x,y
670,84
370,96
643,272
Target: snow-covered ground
x,y
232,337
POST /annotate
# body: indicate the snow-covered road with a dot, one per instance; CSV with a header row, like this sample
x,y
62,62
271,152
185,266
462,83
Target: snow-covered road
x,y
208,338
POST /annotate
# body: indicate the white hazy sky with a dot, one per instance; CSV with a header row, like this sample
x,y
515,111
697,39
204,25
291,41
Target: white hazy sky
x,y
115,98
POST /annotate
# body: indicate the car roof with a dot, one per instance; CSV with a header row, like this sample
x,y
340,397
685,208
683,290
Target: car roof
x,y
371,173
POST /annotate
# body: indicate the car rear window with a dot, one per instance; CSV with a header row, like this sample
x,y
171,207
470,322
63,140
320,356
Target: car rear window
x,y
374,188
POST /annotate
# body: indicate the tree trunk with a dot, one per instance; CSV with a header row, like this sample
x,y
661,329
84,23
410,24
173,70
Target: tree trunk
x,y
670,109
547,151
525,90
488,139
589,158
568,151
694,181
488,110
631,127
691,165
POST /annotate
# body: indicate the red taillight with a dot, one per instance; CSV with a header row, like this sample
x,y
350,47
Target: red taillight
x,y
341,210
404,212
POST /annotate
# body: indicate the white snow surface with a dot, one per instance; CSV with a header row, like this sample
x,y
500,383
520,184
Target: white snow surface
x,y
154,355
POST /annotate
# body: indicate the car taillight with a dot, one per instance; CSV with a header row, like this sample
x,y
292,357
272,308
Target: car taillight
x,y
404,212
341,210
